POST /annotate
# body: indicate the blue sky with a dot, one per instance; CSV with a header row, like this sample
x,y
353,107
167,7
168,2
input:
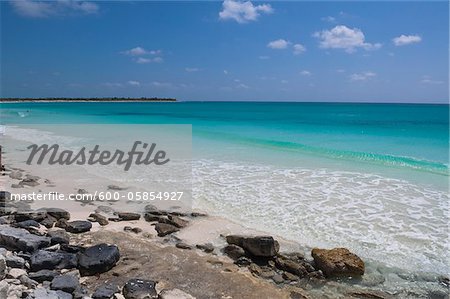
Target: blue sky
x,y
231,50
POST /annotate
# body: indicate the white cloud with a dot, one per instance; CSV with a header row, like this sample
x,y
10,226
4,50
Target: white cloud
x,y
243,12
278,44
139,51
362,76
44,9
142,60
305,73
342,37
403,40
299,49
429,80
225,72
191,69
134,83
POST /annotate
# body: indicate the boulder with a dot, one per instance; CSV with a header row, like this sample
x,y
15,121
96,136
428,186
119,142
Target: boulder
x,y
174,294
260,246
66,283
43,275
105,291
26,224
58,236
98,259
149,217
140,289
234,251
291,266
18,239
57,213
338,262
43,259
48,221
78,226
125,216
164,229
14,261
38,215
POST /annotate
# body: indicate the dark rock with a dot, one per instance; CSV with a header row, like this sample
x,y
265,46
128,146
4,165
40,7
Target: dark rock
x,y
43,275
127,228
243,261
26,224
78,226
128,216
164,229
182,245
58,237
44,259
338,262
30,215
237,240
234,251
61,223
291,266
48,221
13,261
105,291
208,247
58,213
71,248
149,217
99,218
116,188
98,259
154,210
261,246
140,289
197,214
66,283
136,230
80,293
18,239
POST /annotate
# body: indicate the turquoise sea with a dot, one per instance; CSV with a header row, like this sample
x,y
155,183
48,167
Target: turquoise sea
x,y
371,177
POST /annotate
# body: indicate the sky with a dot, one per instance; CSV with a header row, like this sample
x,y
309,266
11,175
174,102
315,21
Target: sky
x,y
227,50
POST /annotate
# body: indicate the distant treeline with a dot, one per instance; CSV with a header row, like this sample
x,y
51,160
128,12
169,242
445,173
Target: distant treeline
x,y
87,100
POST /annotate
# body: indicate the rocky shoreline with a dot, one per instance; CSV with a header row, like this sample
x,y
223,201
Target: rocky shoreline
x,y
44,253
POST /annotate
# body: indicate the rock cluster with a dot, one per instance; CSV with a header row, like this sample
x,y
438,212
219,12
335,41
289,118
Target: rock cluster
x,y
37,262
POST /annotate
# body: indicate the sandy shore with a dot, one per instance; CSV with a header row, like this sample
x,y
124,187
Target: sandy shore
x,y
145,255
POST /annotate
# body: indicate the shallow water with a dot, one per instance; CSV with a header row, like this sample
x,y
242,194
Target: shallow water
x,y
373,178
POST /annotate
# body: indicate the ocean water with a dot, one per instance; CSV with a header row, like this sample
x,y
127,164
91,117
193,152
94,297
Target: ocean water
x,y
370,177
